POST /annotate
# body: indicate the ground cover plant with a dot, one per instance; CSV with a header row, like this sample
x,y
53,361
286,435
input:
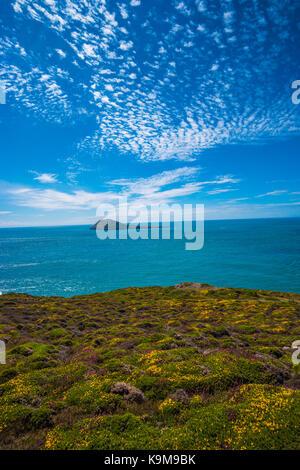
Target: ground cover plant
x,y
182,367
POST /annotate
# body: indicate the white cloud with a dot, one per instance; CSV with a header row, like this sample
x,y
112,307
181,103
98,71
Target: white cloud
x,y
150,185
219,191
126,45
233,201
273,193
156,189
45,177
48,199
123,11
89,50
217,105
245,210
61,53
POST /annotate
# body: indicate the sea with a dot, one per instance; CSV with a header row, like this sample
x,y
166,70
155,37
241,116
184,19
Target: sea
x,y
72,260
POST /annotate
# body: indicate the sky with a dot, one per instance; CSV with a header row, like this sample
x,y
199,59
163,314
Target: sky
x,y
161,101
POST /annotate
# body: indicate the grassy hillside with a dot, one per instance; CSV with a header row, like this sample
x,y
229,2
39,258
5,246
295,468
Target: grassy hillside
x,y
186,367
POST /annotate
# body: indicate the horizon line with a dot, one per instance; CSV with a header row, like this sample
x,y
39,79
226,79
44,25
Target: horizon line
x,y
172,221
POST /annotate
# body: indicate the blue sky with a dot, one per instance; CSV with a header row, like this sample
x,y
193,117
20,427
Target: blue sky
x,y
163,101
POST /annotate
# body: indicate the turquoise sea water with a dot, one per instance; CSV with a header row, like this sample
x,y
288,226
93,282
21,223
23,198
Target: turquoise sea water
x,y
66,261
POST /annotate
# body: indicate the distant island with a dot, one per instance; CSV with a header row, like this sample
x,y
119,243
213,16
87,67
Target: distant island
x,y
110,224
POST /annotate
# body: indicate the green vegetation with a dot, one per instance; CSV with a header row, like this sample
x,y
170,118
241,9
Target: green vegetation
x,y
184,367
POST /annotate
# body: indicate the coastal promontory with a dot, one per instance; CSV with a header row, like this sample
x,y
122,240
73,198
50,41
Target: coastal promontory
x,y
184,367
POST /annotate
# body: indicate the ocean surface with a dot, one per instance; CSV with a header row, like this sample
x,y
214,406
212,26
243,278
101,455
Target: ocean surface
x,y
67,261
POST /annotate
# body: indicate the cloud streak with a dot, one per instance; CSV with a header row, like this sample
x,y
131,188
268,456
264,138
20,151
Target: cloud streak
x,y
45,178
157,189
273,193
